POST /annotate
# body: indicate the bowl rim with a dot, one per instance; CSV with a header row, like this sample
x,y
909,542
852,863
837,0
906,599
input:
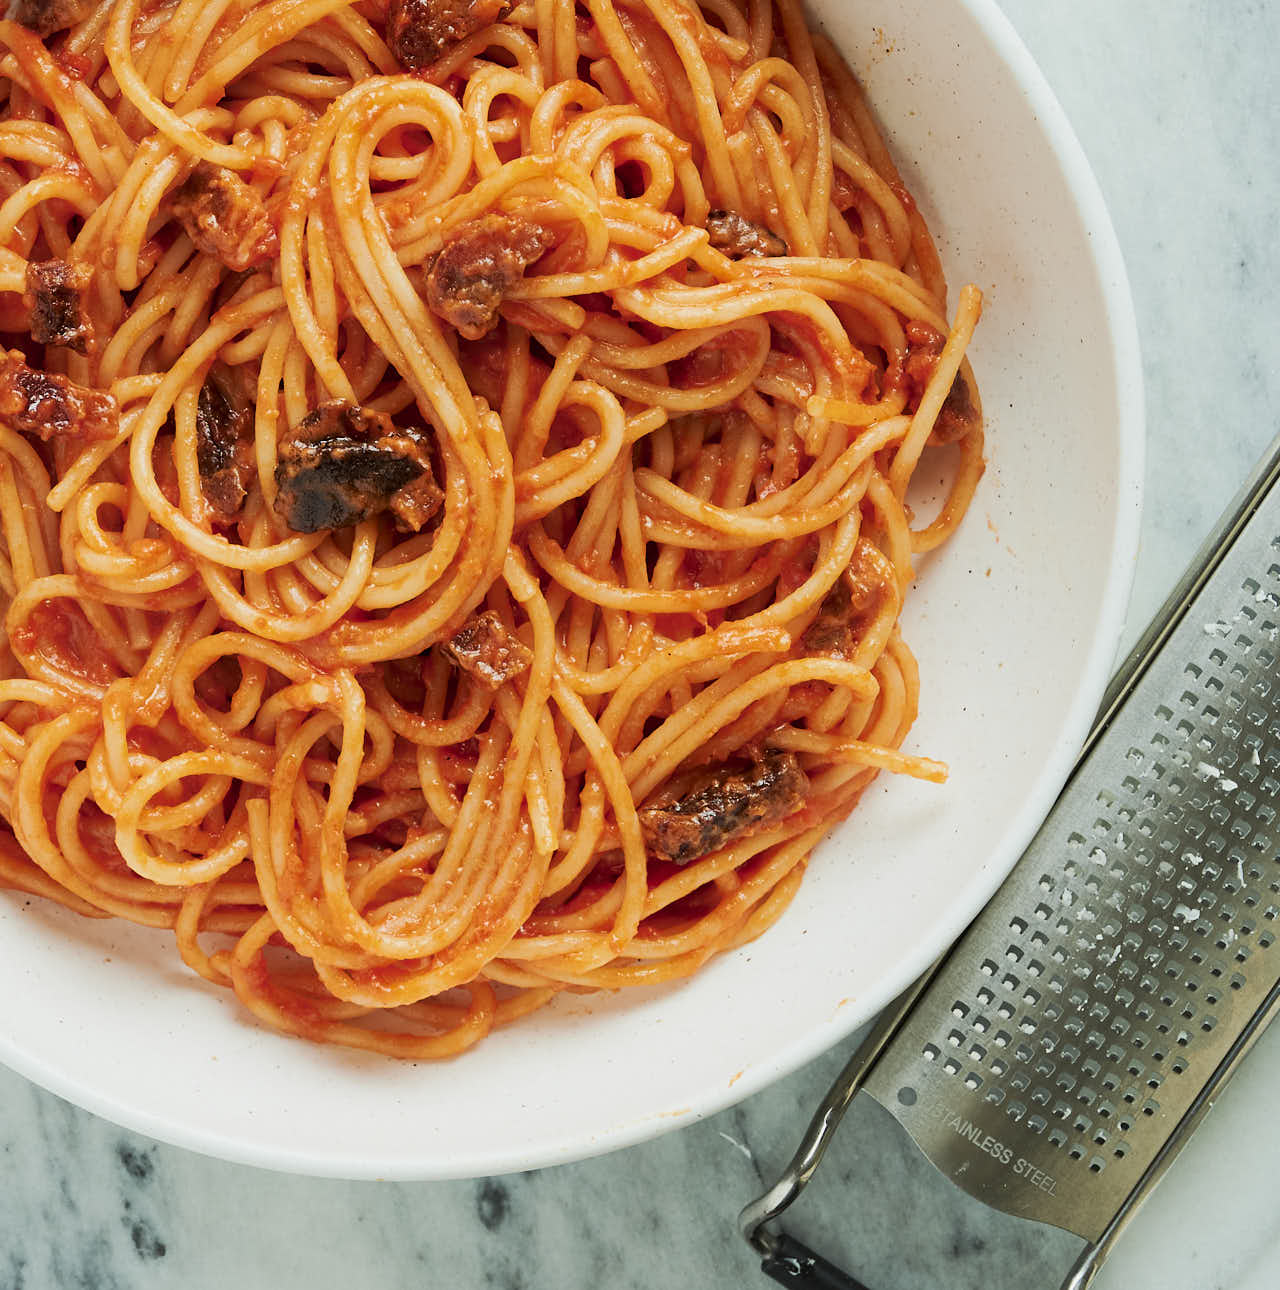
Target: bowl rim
x,y
1121,321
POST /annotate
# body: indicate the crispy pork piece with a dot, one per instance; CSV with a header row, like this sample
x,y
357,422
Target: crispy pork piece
x,y
850,606
224,443
485,649
421,32
959,415
343,463
224,217
55,294
478,265
738,236
724,805
46,404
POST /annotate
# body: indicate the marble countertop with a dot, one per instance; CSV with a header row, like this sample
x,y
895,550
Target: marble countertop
x,y
1175,103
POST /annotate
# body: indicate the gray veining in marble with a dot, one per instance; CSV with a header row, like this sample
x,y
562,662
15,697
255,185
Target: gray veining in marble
x,y
1176,103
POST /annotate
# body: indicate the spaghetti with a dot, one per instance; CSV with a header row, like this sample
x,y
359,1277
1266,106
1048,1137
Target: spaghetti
x,y
453,472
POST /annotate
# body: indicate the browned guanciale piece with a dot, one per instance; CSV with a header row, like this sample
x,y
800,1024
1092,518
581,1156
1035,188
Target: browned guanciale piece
x,y
46,404
478,265
958,415
224,217
343,463
421,32
420,500
723,806
737,236
924,347
55,295
44,17
851,605
224,442
485,649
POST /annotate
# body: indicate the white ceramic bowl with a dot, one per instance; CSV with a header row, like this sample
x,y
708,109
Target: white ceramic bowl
x,y
1015,625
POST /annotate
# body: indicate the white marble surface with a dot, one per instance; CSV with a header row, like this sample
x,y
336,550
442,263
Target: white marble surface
x,y
1176,103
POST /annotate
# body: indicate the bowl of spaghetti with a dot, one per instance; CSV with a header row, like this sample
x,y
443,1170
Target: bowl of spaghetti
x,y
531,606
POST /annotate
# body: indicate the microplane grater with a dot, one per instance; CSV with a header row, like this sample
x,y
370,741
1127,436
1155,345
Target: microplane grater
x,y
1057,1058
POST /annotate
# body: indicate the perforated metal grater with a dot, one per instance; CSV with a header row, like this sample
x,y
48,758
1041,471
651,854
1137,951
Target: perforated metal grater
x,y
1054,1062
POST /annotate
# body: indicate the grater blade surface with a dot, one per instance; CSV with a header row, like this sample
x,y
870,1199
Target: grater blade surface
x,y
1077,1023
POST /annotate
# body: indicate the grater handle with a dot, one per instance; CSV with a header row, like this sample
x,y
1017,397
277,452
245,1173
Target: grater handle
x,y
791,1264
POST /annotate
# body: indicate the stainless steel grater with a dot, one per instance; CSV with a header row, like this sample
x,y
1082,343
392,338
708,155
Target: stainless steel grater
x,y
1054,1062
